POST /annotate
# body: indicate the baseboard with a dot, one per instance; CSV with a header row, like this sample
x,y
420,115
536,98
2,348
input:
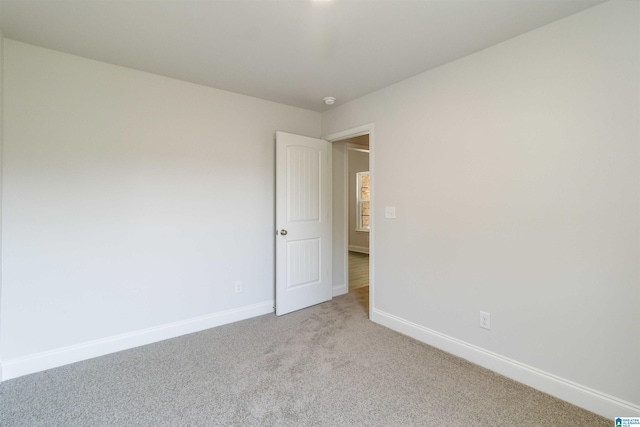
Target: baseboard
x,y
340,289
361,249
579,395
63,356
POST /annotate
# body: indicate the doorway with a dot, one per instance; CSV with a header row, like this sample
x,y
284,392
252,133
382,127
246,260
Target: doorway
x,y
353,220
358,196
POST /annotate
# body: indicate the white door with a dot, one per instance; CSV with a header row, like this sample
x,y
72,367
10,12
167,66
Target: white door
x,y
303,240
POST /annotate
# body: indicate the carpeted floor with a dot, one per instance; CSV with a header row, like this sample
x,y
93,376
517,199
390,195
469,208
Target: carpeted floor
x,y
324,366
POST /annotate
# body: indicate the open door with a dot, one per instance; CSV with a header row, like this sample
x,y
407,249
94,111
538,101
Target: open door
x,y
303,226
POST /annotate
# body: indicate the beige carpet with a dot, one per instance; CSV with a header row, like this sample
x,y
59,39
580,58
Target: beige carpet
x,y
324,366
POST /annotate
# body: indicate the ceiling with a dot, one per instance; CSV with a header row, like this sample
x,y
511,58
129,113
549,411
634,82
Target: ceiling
x,y
294,52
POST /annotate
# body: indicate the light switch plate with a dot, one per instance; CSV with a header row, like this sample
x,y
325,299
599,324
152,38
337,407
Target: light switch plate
x,y
389,211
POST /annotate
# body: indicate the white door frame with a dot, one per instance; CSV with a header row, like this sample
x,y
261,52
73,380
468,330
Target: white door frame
x,y
352,133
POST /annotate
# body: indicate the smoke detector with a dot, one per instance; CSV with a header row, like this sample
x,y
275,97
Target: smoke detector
x,y
329,100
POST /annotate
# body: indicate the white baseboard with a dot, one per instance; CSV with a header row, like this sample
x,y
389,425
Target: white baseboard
x,y
579,395
340,289
63,356
361,249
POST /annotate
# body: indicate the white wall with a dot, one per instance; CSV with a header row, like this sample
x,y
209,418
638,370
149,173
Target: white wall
x,y
358,162
132,204
340,231
1,132
526,155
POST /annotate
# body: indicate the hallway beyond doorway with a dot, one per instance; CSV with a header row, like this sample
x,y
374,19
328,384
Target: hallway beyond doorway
x,y
358,270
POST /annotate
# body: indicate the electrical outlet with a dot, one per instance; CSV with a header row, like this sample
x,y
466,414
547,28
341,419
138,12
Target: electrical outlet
x,y
485,320
239,286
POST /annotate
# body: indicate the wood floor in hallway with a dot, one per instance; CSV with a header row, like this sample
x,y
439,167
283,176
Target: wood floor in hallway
x,y
358,270
359,278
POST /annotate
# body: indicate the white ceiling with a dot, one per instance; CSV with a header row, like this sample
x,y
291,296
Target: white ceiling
x,y
294,52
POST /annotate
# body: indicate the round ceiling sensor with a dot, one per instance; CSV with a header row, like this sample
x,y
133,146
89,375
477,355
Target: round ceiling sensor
x,y
329,100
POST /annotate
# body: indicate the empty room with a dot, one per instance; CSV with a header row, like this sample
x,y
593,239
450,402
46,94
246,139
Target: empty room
x,y
181,212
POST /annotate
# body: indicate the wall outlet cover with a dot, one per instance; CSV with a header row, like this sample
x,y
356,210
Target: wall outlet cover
x,y
485,320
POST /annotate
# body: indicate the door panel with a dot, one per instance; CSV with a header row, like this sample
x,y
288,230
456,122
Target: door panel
x,y
303,262
303,240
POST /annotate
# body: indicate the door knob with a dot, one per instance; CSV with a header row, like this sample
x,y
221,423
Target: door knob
x,y
283,232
